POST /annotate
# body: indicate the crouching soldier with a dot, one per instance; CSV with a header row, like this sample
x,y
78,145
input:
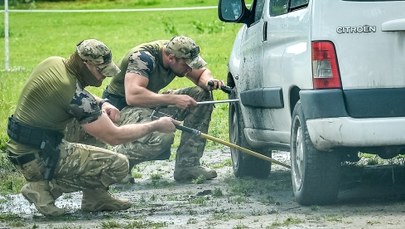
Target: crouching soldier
x,y
146,70
53,95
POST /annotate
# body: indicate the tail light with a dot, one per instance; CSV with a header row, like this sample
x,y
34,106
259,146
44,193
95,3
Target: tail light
x,y
325,71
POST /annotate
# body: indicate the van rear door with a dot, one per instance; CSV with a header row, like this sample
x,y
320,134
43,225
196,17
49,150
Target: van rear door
x,y
369,40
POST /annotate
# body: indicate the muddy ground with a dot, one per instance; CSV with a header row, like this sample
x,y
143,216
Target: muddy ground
x,y
371,198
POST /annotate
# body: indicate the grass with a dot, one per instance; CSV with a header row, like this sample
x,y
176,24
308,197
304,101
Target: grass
x,y
111,4
286,223
35,36
134,224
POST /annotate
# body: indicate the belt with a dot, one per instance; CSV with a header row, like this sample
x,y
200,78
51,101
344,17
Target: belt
x,y
21,160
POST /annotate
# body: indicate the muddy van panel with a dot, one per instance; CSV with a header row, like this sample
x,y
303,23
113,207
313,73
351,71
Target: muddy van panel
x,y
368,56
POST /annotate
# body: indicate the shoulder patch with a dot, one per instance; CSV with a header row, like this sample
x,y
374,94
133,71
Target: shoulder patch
x,y
84,106
142,63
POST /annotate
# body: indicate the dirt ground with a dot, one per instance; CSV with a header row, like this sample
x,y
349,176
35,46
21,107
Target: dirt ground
x,y
371,198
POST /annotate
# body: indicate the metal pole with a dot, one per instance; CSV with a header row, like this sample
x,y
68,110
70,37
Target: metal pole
x,y
218,101
6,43
214,139
245,150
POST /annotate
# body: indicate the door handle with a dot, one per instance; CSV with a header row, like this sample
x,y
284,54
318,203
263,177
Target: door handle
x,y
265,31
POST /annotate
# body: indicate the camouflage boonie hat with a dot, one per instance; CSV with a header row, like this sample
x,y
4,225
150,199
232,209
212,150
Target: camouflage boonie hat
x,y
185,47
99,54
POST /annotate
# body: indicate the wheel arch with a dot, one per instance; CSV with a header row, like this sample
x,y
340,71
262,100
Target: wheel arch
x,y
230,81
294,96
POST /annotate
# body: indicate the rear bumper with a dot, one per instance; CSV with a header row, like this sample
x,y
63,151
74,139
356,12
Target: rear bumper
x,y
330,133
356,118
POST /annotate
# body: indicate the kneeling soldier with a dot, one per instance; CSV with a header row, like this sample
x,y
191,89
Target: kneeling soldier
x,y
53,95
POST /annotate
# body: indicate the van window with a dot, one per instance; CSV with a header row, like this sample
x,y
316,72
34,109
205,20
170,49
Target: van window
x,y
259,9
298,4
278,7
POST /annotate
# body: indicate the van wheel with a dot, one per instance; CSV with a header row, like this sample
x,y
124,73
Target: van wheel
x,y
315,174
243,164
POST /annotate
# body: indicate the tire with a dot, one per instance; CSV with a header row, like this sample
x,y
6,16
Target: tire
x,y
243,164
315,174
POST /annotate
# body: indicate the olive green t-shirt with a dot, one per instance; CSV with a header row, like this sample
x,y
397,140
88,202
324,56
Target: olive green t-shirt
x,y
51,97
145,60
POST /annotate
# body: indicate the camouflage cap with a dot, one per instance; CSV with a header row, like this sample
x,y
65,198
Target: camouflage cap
x,y
99,54
185,47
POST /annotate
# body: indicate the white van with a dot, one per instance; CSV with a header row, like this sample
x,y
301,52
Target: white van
x,y
323,79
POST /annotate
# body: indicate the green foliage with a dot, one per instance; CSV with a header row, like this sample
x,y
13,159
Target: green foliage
x,y
225,163
133,224
242,187
170,28
103,4
147,2
11,181
287,222
240,226
199,180
3,143
110,224
12,220
5,164
215,26
217,192
199,200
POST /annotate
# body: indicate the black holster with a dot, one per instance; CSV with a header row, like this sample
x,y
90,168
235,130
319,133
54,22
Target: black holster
x,y
43,139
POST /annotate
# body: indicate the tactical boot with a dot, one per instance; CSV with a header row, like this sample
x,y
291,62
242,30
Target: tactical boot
x,y
190,173
38,193
101,200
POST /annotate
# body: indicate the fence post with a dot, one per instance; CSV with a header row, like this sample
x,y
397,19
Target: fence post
x,y
6,47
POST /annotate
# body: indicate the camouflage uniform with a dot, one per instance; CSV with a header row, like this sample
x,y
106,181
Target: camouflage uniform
x,y
53,95
146,60
152,146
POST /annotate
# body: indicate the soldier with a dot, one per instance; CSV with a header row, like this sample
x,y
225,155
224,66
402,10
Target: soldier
x,y
53,95
148,68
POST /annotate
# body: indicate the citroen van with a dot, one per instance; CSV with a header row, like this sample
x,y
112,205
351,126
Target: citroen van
x,y
321,79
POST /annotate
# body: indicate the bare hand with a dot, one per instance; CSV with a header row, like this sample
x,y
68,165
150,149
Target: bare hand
x,y
112,112
184,101
215,84
166,124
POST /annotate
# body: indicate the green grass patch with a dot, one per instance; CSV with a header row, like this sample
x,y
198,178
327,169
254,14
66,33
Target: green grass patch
x,y
36,36
12,220
133,224
199,180
286,223
110,4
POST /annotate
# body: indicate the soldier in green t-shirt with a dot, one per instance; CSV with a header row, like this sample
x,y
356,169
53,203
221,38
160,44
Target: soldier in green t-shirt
x,y
146,70
54,95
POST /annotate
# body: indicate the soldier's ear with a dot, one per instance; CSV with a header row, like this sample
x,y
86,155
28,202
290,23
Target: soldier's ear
x,y
172,58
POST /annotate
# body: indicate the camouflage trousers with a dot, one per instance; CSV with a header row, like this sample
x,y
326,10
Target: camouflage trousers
x,y
80,167
156,144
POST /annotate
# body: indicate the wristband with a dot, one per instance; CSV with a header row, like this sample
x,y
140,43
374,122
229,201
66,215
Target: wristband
x,y
103,101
